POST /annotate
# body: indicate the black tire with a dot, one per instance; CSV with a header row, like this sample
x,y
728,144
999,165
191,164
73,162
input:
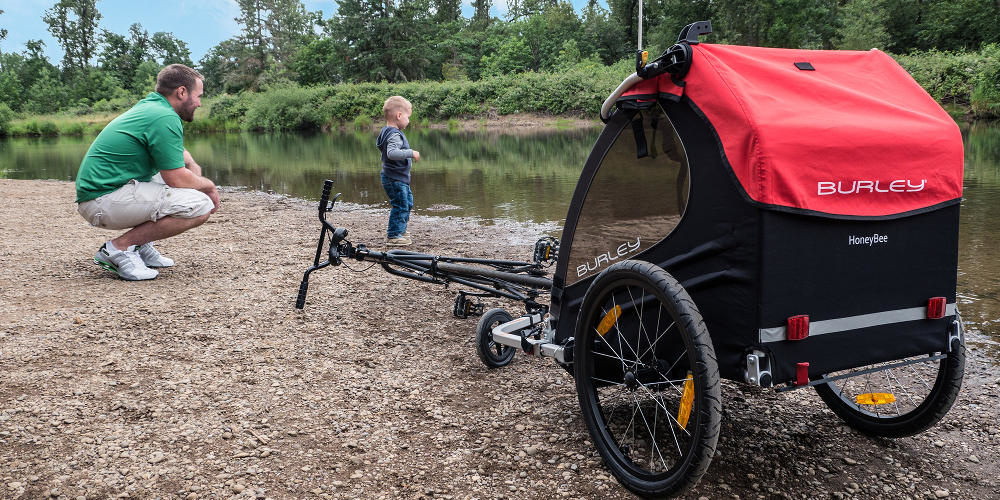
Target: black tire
x,y
616,385
926,390
492,354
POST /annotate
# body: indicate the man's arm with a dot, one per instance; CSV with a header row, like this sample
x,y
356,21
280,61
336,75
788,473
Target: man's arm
x,y
186,178
190,164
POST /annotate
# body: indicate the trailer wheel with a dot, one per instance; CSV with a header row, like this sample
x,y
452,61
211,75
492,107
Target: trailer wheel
x,y
647,379
897,402
492,354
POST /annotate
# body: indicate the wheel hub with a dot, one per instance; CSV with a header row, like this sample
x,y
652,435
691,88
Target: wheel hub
x,y
630,381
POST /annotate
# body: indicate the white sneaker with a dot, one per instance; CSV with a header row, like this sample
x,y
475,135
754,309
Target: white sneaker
x,y
126,263
152,258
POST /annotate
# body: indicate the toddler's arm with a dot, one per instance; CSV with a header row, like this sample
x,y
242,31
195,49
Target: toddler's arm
x,y
394,149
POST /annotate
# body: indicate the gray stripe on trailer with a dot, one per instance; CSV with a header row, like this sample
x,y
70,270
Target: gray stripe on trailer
x,y
835,325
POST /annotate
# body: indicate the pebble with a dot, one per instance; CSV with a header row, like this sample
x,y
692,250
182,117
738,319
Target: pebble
x,y
850,461
974,459
942,493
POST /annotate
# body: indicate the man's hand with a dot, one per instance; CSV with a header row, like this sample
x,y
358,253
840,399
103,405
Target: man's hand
x,y
213,195
416,155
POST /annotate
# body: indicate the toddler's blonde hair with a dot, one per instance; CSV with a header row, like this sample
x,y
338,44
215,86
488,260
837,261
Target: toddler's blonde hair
x,y
395,104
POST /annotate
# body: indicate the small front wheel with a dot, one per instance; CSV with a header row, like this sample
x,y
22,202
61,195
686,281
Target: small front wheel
x,y
647,379
492,354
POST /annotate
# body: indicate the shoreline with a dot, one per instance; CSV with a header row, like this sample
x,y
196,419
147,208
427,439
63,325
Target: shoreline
x,y
207,383
91,125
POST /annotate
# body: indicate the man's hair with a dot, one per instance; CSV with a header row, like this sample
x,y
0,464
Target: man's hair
x,y
395,104
174,76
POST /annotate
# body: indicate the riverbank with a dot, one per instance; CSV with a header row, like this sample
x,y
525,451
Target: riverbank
x,y
90,125
207,383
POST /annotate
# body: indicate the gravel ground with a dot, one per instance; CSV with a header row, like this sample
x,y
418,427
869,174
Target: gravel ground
x,y
207,383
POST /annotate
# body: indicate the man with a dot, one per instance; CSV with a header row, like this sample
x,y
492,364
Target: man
x,y
138,175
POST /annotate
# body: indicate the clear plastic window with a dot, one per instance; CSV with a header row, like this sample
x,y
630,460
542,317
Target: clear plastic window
x,y
633,203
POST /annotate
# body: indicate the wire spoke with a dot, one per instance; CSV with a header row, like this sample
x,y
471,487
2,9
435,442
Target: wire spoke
x,y
652,436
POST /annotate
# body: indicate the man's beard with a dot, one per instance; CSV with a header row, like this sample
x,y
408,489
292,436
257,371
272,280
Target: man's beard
x,y
187,114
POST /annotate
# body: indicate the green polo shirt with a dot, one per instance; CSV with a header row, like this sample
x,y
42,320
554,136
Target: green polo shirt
x,y
136,145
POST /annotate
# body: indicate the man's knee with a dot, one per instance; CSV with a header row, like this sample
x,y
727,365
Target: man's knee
x,y
199,220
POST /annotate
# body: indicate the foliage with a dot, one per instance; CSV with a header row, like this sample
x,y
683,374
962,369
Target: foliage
x,y
862,25
985,97
6,115
545,56
74,24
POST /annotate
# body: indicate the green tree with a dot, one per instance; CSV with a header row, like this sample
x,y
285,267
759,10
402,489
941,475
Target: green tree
x,y
317,62
601,36
809,24
513,56
481,12
862,26
11,88
47,94
168,49
223,67
959,24
73,23
3,32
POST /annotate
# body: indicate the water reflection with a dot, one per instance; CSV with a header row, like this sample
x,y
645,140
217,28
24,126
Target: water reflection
x,y
979,249
526,177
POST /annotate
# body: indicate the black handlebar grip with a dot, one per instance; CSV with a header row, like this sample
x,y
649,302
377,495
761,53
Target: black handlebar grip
x,y
300,302
325,197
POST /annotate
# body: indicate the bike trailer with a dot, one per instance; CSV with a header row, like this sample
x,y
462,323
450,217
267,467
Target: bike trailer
x,y
807,200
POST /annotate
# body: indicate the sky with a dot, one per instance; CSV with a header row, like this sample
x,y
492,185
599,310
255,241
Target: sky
x,y
202,24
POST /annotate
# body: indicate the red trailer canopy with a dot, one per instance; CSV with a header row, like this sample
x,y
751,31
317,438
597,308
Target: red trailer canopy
x,y
843,133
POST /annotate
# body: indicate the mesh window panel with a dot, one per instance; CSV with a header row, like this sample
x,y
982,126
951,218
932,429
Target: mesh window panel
x,y
633,202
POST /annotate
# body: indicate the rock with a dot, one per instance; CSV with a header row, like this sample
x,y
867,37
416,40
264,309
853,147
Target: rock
x,y
850,461
974,459
942,493
939,444
157,457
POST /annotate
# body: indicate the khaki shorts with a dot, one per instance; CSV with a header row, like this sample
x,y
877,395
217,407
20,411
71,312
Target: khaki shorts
x,y
138,202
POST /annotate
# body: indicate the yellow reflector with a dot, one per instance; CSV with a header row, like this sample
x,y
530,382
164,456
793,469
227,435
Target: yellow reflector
x,y
687,399
875,398
609,320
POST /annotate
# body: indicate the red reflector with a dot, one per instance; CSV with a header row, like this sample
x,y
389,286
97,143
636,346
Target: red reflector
x,y
798,327
935,308
802,374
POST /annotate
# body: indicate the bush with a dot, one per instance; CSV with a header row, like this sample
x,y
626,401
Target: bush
x,y
362,123
48,129
985,97
287,108
6,116
114,104
75,128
